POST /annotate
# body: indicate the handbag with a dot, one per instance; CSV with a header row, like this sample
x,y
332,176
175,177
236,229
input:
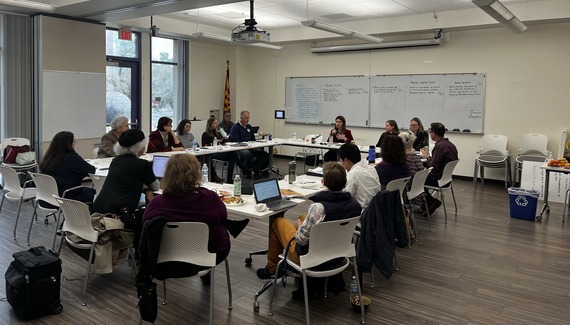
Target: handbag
x,y
11,152
26,158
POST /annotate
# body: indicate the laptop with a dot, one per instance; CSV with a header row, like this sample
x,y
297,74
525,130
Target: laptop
x,y
158,165
255,129
267,191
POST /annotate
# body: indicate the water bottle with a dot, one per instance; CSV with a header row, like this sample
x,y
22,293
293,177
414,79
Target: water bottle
x,y
194,146
237,186
294,136
215,143
371,154
292,172
354,298
205,174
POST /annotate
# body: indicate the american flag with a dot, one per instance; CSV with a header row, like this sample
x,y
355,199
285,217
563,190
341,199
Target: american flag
x,y
227,102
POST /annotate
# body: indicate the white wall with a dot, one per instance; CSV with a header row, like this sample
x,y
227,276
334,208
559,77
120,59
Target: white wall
x,y
527,84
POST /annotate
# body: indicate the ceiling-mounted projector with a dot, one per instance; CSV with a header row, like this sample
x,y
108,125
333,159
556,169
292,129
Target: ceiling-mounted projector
x,y
247,32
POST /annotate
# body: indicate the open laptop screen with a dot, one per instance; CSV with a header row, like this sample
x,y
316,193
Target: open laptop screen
x,y
158,165
255,129
266,190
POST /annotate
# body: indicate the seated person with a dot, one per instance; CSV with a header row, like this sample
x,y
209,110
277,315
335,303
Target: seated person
x,y
255,159
391,129
393,165
413,161
163,138
128,177
119,125
339,134
332,204
443,152
226,124
362,179
422,137
183,133
67,167
183,199
230,156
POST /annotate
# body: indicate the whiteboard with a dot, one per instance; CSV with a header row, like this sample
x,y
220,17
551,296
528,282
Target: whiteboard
x,y
318,100
75,102
456,100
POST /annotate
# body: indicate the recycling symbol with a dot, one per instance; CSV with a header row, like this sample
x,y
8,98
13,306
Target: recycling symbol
x,y
521,201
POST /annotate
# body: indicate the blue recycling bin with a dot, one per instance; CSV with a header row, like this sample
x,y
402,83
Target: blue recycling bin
x,y
523,203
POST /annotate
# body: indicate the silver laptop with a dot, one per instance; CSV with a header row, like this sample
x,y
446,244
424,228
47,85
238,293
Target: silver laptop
x,y
267,191
158,165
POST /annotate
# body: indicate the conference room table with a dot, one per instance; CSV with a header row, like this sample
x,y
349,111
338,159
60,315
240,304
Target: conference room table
x,y
547,171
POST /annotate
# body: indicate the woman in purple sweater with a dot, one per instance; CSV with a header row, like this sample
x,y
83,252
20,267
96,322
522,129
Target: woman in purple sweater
x,y
183,199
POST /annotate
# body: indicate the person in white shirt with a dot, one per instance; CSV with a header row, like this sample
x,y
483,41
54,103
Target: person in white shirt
x,y
362,179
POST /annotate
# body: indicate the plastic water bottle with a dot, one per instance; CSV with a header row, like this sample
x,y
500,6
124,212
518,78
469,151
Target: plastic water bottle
x,y
354,298
371,154
205,174
215,143
294,136
194,146
237,186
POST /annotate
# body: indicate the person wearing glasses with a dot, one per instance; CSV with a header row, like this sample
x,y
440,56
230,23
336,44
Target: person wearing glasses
x,y
422,139
255,159
67,167
443,152
119,125
391,129
362,179
164,139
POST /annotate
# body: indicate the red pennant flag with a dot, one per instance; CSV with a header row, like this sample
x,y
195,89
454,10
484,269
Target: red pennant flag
x,y
227,102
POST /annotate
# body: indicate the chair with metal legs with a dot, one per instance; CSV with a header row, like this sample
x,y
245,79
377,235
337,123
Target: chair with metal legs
x,y
444,184
12,191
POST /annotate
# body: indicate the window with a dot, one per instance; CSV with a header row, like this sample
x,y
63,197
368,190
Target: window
x,y
167,87
123,77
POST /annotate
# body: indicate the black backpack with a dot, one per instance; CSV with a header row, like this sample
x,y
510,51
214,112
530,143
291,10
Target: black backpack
x,y
33,282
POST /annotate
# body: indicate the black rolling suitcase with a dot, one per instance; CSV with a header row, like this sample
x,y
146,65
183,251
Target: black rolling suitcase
x,y
33,283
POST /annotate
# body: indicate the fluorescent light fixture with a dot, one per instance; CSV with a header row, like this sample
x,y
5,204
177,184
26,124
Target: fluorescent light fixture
x,y
265,46
28,4
341,31
227,39
497,10
384,45
210,36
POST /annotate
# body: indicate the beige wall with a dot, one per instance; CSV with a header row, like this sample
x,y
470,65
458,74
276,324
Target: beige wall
x,y
526,82
68,45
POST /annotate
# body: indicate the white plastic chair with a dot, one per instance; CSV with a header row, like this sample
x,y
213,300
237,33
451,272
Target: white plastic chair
x,y
12,191
417,189
400,185
188,242
16,142
329,240
98,181
78,222
445,183
493,154
46,190
533,148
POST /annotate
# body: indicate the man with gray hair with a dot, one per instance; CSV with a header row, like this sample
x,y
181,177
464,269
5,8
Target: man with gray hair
x,y
119,125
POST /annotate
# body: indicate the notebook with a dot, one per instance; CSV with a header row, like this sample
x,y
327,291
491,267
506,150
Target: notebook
x,y
267,191
159,164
